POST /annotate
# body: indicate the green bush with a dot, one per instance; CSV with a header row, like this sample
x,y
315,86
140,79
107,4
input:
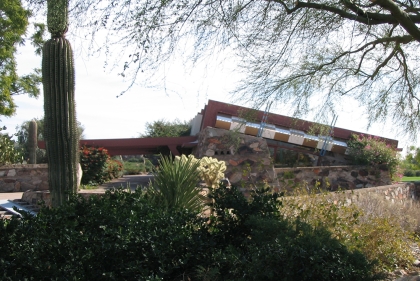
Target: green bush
x,y
9,153
119,236
97,166
409,173
175,184
123,236
134,168
263,246
115,168
417,173
135,160
373,151
369,226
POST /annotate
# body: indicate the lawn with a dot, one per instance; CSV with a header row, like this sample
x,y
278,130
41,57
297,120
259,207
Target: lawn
x,y
410,179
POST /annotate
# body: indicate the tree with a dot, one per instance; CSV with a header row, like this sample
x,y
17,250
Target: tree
x,y
412,159
163,128
13,24
9,153
309,54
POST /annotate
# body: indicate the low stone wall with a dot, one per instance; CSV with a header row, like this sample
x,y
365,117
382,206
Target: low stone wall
x,y
333,178
20,178
405,193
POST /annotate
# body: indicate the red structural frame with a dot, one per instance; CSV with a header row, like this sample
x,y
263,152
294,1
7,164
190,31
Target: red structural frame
x,y
213,108
137,146
176,145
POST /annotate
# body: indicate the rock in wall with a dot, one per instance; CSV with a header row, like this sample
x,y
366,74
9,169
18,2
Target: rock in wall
x,y
20,178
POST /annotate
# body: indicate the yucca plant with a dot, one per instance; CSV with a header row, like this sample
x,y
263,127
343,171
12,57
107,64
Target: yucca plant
x,y
175,184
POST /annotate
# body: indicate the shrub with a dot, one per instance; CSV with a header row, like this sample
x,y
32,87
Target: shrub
x,y
8,153
368,226
175,183
263,246
134,168
417,173
409,173
94,162
119,236
373,151
123,236
115,168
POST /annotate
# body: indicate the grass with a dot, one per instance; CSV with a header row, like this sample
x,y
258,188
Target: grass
x,y
410,179
136,168
88,186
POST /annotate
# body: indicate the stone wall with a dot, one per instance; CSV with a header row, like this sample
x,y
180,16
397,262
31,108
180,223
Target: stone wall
x,y
333,177
20,178
247,157
405,193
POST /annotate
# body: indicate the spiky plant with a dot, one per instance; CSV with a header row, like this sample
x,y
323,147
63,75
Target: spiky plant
x,y
59,106
175,184
32,141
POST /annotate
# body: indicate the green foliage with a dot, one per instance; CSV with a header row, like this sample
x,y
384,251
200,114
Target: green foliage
x,y
163,128
13,24
134,167
373,152
119,236
9,153
369,226
115,169
288,175
95,162
409,173
411,161
263,246
175,183
124,236
384,240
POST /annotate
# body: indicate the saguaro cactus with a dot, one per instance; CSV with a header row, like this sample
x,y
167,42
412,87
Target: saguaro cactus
x,y
61,133
32,141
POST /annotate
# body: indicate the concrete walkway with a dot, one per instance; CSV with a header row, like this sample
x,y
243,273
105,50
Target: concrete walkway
x,y
11,196
132,181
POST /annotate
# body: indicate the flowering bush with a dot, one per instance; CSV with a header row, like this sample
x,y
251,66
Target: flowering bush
x,y
373,151
95,162
115,168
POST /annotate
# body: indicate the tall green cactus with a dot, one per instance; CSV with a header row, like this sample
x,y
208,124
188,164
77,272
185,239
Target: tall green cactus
x,y
61,133
32,141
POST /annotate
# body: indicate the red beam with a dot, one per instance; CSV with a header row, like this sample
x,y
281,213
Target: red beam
x,y
214,107
136,146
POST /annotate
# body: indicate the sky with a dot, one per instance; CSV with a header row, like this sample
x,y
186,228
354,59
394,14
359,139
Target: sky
x,y
182,96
